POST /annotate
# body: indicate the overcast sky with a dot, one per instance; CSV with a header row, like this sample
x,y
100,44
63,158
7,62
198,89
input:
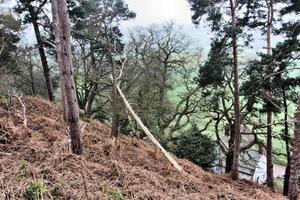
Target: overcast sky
x,y
156,11
161,11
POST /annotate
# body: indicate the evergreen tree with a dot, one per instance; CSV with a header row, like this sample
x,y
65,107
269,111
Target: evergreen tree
x,y
33,13
9,29
225,22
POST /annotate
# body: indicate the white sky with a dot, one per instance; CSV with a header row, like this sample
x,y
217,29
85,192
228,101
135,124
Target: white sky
x,y
161,11
157,11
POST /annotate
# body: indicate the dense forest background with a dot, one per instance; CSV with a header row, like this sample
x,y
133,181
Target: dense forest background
x,y
185,95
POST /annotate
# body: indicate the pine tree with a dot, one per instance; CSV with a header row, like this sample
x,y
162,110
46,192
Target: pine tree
x,y
33,12
225,22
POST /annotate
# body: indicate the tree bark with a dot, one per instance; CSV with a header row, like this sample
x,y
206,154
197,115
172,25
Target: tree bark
x,y
90,100
270,178
295,158
46,69
230,151
287,144
115,113
62,37
237,121
115,102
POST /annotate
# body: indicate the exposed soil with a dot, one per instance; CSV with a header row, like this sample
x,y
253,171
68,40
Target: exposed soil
x,y
134,169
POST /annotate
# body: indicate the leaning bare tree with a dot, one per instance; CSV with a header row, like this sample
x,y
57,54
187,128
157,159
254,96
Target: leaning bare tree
x,y
61,23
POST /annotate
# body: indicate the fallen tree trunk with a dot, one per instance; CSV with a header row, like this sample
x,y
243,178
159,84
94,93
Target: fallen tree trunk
x,y
147,132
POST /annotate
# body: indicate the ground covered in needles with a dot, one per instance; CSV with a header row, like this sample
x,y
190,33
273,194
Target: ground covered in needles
x,y
36,163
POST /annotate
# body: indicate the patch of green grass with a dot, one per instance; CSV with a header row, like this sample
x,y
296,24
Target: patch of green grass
x,y
279,182
35,191
24,168
114,194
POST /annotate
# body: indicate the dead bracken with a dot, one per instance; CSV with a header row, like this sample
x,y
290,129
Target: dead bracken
x,y
36,162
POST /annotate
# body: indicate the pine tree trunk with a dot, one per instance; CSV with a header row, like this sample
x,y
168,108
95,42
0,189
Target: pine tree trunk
x,y
58,49
270,177
295,158
237,122
62,37
287,145
46,69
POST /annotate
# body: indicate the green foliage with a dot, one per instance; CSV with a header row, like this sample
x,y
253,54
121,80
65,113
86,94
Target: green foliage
x,y
32,10
24,168
9,28
279,182
35,191
114,194
214,69
198,148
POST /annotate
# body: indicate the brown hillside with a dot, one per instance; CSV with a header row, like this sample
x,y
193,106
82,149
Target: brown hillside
x,y
40,154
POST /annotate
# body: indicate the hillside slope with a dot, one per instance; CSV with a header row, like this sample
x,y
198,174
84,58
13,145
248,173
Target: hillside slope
x,y
37,159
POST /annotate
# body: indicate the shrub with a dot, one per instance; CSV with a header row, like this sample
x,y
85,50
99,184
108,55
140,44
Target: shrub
x,y
35,191
198,148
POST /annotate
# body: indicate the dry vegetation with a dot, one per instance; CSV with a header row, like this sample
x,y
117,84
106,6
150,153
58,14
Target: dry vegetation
x,y
36,160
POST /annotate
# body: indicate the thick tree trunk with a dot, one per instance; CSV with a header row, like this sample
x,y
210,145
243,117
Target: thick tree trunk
x,y
115,105
115,112
115,102
237,114
46,69
62,37
270,178
295,158
287,145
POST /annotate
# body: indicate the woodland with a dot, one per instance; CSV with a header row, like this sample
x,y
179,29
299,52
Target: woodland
x,y
153,84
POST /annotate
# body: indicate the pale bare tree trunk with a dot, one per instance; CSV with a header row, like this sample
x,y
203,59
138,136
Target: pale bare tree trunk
x,y
295,158
147,132
270,178
237,114
62,34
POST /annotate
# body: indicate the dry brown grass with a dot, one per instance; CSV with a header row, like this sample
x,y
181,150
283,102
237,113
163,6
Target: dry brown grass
x,y
133,170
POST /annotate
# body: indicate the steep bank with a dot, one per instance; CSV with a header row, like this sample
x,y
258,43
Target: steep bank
x,y
37,159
